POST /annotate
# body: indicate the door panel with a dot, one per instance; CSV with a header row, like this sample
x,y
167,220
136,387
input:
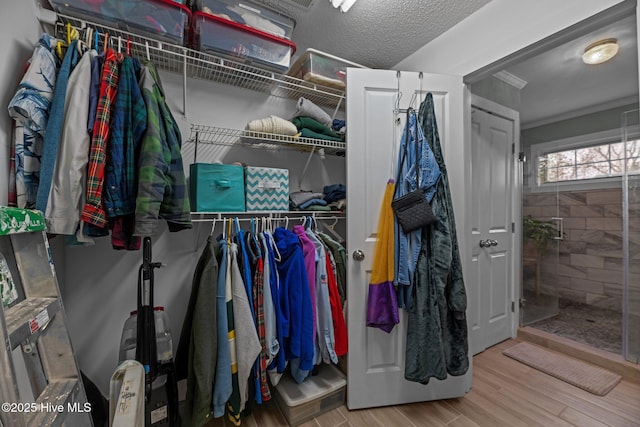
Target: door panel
x,y
376,359
491,229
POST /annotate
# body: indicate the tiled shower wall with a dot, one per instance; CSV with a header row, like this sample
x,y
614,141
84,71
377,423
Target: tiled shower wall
x,y
590,267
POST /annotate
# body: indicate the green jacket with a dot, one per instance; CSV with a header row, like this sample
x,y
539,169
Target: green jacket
x,y
162,189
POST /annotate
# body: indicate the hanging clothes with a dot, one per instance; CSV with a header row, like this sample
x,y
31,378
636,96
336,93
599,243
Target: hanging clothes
x,y
128,125
162,191
408,244
223,383
197,351
30,107
310,260
54,125
340,258
270,317
437,336
341,346
246,264
247,342
325,343
382,305
298,345
258,304
233,408
93,212
68,185
280,305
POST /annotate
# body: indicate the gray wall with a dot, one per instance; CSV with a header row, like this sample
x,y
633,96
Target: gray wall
x,y
582,125
498,91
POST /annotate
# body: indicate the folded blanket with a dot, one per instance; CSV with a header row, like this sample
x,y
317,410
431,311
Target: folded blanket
x,y
308,133
314,125
299,197
272,124
307,108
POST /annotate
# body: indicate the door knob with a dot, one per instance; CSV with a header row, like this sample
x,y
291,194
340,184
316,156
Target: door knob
x,y
358,255
484,243
493,242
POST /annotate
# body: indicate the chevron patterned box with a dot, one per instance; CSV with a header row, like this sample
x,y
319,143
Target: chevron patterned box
x,y
266,189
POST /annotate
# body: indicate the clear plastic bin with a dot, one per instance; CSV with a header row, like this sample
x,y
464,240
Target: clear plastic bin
x,y
251,14
237,41
164,342
161,19
314,396
321,68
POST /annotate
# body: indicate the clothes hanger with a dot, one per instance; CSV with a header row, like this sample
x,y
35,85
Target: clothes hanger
x,y
333,233
96,39
213,227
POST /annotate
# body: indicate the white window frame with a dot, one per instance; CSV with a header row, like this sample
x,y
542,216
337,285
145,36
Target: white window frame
x,y
581,141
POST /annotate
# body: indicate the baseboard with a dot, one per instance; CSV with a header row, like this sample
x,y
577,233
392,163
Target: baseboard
x,y
615,363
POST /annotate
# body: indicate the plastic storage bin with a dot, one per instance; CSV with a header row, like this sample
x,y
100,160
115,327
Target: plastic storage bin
x,y
240,42
251,14
314,396
161,19
216,187
266,189
321,68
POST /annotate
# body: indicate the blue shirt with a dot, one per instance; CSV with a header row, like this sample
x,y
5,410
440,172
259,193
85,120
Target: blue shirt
x,y
408,244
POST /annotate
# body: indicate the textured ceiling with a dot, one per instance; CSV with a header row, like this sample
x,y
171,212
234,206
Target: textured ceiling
x,y
560,83
377,33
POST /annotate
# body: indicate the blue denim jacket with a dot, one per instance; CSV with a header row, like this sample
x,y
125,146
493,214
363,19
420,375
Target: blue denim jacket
x,y
408,244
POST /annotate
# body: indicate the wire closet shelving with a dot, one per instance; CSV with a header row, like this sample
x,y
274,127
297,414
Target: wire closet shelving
x,y
203,65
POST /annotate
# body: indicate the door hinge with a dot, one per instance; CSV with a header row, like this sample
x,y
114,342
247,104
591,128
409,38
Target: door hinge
x,y
513,227
522,157
513,148
513,306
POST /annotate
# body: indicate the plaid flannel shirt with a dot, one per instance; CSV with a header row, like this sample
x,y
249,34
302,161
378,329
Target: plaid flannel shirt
x,y
128,123
93,212
162,186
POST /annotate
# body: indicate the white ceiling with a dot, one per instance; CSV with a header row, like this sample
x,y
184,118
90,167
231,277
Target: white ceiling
x,y
559,83
376,33
381,33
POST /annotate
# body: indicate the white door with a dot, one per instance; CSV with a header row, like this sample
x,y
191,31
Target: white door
x,y
376,359
491,280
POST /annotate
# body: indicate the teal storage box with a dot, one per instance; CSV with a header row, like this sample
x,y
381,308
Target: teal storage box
x,y
267,189
216,187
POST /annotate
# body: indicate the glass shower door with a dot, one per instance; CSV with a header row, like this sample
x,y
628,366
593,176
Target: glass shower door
x,y
541,235
631,237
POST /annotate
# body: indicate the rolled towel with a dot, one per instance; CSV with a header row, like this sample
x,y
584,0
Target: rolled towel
x,y
309,109
272,124
314,125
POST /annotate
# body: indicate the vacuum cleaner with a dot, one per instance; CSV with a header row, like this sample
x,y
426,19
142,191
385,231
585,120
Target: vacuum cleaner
x,y
161,387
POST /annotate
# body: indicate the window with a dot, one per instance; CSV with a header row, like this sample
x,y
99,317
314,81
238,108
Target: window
x,y
599,161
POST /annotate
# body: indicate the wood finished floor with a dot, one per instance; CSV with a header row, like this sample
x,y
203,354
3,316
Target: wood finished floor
x,y
505,393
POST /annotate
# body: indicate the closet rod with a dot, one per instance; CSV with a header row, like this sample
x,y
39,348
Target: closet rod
x,y
272,218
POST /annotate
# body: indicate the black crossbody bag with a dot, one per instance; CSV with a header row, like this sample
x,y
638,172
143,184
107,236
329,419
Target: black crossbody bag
x,y
412,210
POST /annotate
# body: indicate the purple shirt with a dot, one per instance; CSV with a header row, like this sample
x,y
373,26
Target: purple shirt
x,y
309,252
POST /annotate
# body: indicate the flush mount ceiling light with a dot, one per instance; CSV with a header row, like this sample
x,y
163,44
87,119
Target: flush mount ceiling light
x,y
600,51
344,5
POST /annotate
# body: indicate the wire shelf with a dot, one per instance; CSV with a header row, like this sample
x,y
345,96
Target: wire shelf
x,y
207,66
262,140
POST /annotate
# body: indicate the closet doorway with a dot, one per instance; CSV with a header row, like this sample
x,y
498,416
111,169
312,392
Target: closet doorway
x,y
494,142
574,285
